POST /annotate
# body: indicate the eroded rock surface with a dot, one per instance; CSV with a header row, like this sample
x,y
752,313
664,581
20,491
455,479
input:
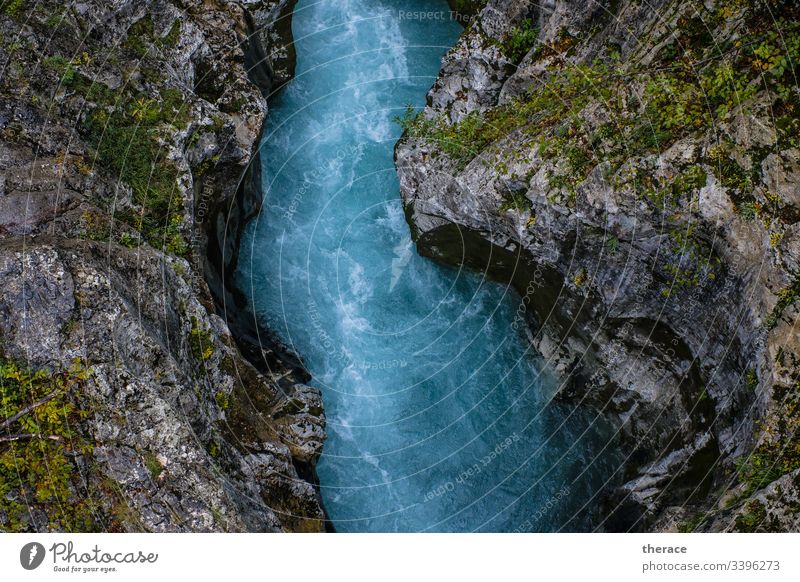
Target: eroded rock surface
x,y
126,127
651,218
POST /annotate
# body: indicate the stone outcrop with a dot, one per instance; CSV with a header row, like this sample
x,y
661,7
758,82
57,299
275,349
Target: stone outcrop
x,y
126,128
641,190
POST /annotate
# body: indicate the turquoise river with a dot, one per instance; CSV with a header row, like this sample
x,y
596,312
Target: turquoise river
x,y
439,414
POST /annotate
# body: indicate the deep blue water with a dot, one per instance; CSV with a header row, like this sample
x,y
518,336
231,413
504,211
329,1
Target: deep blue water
x,y
438,413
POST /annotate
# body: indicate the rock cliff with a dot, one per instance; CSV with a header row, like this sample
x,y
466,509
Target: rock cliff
x,y
126,127
634,169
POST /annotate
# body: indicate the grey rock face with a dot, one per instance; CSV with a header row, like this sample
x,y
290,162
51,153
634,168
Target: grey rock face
x,y
187,434
686,370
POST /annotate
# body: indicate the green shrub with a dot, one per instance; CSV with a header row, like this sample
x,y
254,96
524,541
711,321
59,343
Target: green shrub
x,y
43,411
778,452
685,98
130,152
729,172
786,297
752,519
200,342
540,109
127,145
520,40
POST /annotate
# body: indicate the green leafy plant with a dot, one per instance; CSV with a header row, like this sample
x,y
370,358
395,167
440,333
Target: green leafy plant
x,y
13,7
520,40
752,519
200,342
40,415
786,297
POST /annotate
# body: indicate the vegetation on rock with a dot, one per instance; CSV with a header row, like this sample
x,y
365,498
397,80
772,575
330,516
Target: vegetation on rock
x,y
778,451
43,475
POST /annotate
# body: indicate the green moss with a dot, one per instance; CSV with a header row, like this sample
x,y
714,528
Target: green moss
x,y
218,122
168,107
515,201
94,91
153,465
140,36
222,400
62,67
213,449
170,40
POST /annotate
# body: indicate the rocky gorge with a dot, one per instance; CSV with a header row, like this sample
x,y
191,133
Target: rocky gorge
x,y
126,127
632,167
